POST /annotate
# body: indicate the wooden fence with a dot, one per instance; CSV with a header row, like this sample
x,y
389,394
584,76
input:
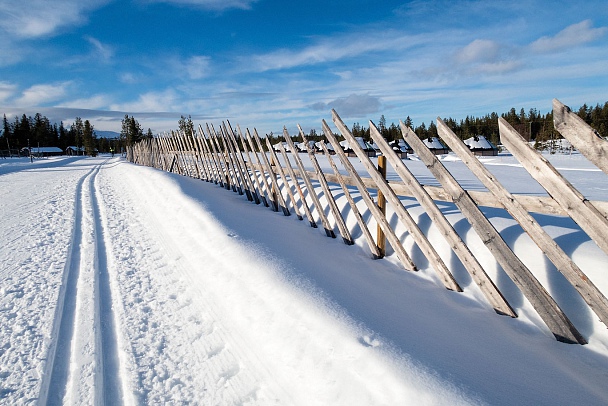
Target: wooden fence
x,y
237,160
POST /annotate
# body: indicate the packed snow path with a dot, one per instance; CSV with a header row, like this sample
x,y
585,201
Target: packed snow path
x,y
125,285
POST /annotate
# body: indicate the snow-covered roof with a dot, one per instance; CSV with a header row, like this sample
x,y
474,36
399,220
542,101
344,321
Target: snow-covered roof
x,y
46,149
360,141
479,142
276,146
74,148
433,143
327,145
400,145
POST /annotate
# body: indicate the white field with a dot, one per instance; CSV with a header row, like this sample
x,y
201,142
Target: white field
x,y
125,284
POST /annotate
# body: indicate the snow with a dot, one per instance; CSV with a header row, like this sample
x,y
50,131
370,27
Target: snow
x,y
479,142
126,284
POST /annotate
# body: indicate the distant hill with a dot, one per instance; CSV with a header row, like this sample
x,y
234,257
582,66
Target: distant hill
x,y
107,134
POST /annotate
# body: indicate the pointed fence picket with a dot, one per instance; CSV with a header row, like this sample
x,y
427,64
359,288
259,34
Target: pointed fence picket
x,y
232,160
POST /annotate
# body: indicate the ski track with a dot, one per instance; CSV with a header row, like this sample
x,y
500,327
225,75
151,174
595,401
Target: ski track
x,y
182,353
83,359
30,279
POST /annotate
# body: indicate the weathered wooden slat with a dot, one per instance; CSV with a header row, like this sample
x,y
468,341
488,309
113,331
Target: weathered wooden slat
x,y
296,183
568,197
543,303
590,293
229,173
217,178
272,176
241,185
329,231
473,267
201,155
346,237
392,238
380,237
254,174
581,135
263,170
222,165
277,165
193,158
376,254
250,188
419,238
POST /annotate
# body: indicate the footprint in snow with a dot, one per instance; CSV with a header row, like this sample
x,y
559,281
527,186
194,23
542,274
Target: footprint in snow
x,y
232,235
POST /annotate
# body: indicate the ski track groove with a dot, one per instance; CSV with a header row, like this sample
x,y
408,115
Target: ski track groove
x,y
63,382
158,261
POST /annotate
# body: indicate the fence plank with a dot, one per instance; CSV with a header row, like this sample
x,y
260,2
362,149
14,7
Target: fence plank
x,y
271,174
581,135
275,207
210,157
242,185
376,254
279,168
543,303
311,191
590,293
423,243
392,238
571,200
296,183
254,174
346,237
249,187
468,260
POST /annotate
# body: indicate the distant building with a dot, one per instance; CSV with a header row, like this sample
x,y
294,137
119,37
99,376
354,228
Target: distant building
x,y
480,145
42,151
72,150
366,146
436,146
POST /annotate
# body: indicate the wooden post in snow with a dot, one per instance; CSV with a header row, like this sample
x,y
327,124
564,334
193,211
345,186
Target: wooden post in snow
x,y
393,240
380,237
311,191
346,237
423,243
277,163
256,179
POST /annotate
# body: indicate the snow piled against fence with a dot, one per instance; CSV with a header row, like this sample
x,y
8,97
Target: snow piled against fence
x,y
220,301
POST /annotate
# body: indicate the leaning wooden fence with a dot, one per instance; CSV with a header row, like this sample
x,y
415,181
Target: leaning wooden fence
x,y
237,160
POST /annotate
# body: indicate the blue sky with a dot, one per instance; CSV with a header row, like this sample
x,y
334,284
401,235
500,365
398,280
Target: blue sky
x,y
270,63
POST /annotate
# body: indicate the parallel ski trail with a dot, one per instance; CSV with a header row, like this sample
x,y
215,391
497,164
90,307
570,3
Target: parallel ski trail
x,y
85,341
53,389
108,386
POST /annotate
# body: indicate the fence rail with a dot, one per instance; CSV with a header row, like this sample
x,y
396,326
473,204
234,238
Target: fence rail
x,y
239,161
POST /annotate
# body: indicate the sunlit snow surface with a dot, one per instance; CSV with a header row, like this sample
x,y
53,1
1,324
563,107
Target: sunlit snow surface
x,y
122,283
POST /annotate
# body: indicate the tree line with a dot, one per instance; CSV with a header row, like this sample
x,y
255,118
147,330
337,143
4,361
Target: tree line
x,y
532,125
38,130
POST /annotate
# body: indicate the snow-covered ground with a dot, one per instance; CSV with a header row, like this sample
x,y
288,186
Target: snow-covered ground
x,y
125,284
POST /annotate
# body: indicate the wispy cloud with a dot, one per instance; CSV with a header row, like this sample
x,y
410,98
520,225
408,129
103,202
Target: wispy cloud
x,y
570,37
7,90
214,5
161,101
102,51
334,48
38,95
42,17
352,105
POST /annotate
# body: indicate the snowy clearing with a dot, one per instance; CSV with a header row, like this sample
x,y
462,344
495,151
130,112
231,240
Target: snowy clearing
x,y
125,284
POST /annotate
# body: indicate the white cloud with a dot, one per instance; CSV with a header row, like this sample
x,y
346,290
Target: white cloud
x,y
335,48
95,102
569,37
150,102
102,51
478,51
7,90
352,105
215,5
42,17
197,66
40,94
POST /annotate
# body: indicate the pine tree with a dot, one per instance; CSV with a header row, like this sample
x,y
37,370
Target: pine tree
x,y
88,138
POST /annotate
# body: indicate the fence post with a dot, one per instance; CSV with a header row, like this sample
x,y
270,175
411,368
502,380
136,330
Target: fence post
x,y
381,238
